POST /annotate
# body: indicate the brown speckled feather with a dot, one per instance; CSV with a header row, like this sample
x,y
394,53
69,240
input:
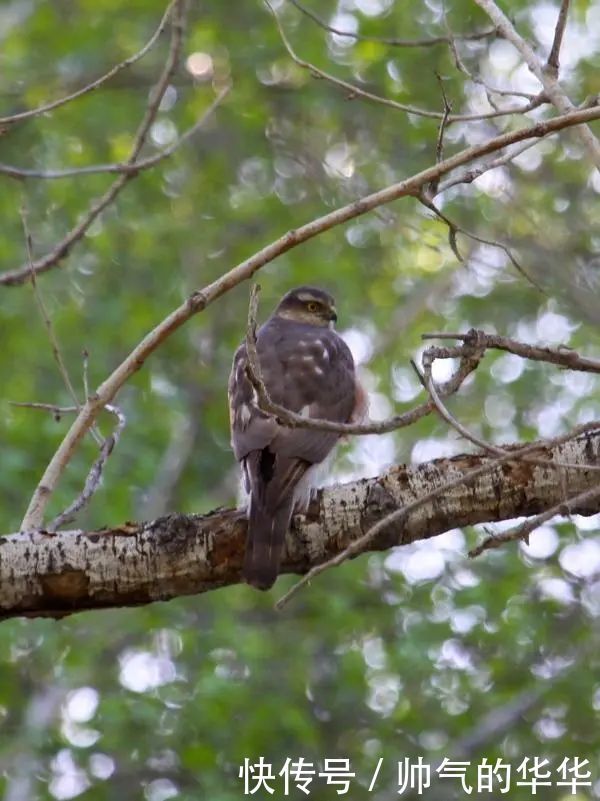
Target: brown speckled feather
x,y
308,369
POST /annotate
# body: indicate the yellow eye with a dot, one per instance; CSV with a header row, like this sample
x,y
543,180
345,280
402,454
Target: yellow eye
x,y
312,307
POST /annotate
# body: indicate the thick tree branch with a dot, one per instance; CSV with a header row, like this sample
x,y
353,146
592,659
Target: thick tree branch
x,y
399,517
136,563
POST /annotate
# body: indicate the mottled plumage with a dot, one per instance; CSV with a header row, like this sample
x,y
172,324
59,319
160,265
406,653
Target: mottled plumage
x,y
309,369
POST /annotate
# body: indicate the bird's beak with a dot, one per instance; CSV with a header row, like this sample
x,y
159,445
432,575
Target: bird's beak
x,y
333,315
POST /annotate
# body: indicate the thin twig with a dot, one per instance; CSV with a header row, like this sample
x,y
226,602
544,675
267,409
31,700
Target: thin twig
x,y
199,300
470,175
94,477
469,359
46,407
522,531
86,386
561,23
426,379
56,351
122,168
425,199
439,147
454,229
356,91
490,91
552,88
394,42
36,112
51,259
430,355
397,517
564,357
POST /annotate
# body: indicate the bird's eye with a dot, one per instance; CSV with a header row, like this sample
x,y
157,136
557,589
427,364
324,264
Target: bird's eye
x,y
312,307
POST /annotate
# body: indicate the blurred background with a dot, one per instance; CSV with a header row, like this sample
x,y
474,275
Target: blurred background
x,y
415,652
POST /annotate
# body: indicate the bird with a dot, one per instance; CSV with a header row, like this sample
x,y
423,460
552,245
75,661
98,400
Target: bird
x,y
307,368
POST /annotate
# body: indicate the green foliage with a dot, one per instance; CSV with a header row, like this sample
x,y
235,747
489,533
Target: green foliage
x,y
390,656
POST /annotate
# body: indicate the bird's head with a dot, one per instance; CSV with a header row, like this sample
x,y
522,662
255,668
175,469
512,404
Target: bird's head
x,y
308,304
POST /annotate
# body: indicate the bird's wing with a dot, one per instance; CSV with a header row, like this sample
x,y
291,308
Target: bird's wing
x,y
309,370
306,369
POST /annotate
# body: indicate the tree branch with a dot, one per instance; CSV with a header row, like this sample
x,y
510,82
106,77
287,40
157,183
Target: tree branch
x,y
564,357
546,76
397,519
136,563
94,477
553,62
121,168
199,300
392,41
90,87
356,91
25,272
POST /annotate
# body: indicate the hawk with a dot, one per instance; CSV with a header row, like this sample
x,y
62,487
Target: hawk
x,y
307,368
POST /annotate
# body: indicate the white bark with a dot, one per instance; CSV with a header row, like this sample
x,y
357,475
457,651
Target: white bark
x,y
59,573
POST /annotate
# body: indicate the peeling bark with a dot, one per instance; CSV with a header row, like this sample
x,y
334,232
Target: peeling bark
x,y
56,574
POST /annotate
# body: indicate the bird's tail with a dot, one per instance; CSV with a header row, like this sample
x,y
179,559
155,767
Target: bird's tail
x,y
266,537
272,482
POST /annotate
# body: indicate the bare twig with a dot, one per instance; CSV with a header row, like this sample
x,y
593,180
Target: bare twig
x,y
563,357
439,148
561,23
549,81
254,371
522,531
86,386
398,517
429,42
51,259
94,477
426,379
470,175
122,168
199,300
36,112
490,91
58,411
56,351
430,355
469,359
34,514
356,91
454,229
